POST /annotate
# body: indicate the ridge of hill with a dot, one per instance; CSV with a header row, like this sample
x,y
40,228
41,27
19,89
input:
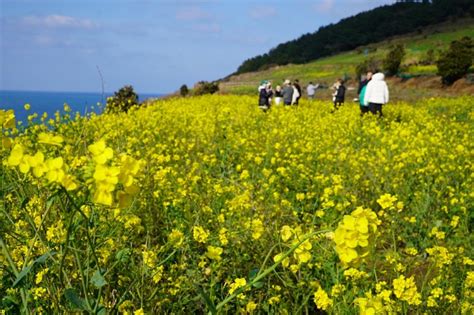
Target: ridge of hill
x,y
416,80
364,28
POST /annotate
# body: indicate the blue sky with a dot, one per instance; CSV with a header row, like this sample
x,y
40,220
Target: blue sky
x,y
155,45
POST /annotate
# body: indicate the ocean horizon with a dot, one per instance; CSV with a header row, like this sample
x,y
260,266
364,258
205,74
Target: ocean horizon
x,y
51,101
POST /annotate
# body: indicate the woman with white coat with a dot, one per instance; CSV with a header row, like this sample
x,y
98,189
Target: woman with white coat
x,y
376,93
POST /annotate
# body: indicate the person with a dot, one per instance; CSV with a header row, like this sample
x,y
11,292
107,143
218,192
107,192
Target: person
x,y
311,90
376,93
339,93
364,82
287,92
364,107
297,86
278,95
296,95
265,96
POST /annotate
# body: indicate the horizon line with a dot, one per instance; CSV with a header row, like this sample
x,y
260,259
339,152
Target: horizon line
x,y
88,92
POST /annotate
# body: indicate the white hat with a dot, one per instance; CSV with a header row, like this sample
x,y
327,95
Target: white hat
x,y
287,81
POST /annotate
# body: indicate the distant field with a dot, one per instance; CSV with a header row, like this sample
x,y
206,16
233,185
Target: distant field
x,y
327,70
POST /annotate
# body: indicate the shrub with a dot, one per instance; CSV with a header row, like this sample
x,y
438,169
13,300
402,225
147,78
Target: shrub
x,y
204,87
393,60
454,63
429,58
183,90
370,64
122,100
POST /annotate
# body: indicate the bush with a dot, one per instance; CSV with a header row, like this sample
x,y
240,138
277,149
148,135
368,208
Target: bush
x,y
204,87
183,90
429,58
370,64
454,63
122,100
393,60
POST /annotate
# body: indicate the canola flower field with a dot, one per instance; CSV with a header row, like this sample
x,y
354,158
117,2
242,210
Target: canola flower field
x,y
208,205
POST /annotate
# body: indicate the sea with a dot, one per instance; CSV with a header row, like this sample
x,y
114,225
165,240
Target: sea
x,y
49,102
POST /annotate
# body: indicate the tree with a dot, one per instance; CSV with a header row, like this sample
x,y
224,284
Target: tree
x,y
393,60
429,58
369,64
204,87
183,90
122,100
454,63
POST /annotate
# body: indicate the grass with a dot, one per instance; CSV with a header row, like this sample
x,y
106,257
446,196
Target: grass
x,y
327,70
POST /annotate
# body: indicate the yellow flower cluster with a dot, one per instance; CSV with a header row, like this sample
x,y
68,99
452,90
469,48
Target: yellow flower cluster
x,y
238,283
322,300
353,235
405,289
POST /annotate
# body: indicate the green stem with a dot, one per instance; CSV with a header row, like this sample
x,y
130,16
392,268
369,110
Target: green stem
x,y
268,270
6,253
84,285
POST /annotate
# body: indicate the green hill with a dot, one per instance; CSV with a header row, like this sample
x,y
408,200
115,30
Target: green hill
x,y
372,26
326,70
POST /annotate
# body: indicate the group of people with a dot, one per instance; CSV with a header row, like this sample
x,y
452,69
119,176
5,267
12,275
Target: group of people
x,y
373,93
289,94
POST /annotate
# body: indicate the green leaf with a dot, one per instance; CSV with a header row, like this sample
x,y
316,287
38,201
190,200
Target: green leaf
x,y
74,299
98,280
40,260
22,274
210,305
253,273
258,284
123,255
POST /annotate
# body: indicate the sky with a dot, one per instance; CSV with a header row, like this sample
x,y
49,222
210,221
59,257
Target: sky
x,y
154,45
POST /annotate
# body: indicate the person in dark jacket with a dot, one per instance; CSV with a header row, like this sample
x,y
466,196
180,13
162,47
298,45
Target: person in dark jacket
x,y
265,96
364,82
339,93
287,92
297,86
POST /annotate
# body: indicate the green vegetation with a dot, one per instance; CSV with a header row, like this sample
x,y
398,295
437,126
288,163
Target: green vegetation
x,y
361,29
122,100
456,61
204,87
327,70
393,60
183,90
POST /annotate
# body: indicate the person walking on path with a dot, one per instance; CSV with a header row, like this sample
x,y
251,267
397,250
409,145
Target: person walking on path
x,y
287,92
297,86
376,93
339,94
364,107
311,90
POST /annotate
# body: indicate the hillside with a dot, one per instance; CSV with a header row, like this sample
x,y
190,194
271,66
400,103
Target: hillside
x,y
364,28
422,81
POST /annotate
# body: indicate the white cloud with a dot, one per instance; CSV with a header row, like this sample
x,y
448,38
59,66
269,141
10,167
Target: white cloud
x,y
192,14
207,28
324,6
58,21
262,12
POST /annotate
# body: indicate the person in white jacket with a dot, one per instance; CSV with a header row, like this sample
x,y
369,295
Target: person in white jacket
x,y
376,93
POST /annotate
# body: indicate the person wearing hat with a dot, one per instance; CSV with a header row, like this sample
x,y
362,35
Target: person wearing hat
x,y
287,92
265,95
